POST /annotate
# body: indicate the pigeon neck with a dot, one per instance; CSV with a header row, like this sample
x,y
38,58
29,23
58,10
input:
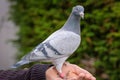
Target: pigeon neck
x,y
72,24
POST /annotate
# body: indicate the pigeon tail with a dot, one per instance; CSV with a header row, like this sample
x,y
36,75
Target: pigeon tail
x,y
20,63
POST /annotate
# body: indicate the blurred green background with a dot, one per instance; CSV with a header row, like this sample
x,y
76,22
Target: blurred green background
x,y
99,51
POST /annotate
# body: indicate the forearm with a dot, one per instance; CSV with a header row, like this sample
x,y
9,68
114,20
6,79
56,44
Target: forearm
x,y
37,72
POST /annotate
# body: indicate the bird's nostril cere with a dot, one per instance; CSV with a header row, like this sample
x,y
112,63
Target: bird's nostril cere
x,y
81,14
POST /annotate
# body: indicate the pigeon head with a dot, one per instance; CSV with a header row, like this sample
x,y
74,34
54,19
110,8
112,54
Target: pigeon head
x,y
78,11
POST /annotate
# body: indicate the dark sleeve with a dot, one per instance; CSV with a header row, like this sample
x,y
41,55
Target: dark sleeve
x,y
37,72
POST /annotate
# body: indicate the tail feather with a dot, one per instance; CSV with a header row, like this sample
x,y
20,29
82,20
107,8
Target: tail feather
x,y
20,63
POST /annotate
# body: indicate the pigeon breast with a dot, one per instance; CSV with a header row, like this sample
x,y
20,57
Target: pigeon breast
x,y
65,42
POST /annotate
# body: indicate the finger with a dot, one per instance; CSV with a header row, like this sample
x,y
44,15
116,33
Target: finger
x,y
89,77
57,79
81,76
93,78
78,70
53,78
74,78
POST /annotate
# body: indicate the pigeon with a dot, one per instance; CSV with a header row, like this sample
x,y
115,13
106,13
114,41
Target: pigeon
x,y
59,45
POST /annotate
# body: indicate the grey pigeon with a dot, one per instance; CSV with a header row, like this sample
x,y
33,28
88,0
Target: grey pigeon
x,y
59,45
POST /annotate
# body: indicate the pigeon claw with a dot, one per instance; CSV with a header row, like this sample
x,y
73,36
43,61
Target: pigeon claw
x,y
62,75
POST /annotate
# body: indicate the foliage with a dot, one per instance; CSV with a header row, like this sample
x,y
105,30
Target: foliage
x,y
99,50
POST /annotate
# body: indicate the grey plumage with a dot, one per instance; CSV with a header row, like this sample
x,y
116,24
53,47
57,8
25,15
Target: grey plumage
x,y
59,45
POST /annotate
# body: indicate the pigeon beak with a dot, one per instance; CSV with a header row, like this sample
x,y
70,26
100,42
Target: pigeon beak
x,y
82,15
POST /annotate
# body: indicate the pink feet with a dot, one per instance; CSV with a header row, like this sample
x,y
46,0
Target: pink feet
x,y
62,75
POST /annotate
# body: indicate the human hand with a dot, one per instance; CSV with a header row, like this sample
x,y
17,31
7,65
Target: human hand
x,y
72,72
